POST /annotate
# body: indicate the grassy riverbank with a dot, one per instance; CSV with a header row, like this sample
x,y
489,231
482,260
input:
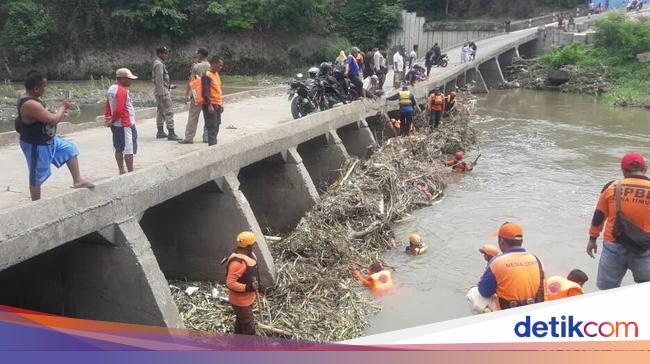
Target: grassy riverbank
x,y
608,65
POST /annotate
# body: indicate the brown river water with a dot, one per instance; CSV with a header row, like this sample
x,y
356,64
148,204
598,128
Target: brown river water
x,y
545,157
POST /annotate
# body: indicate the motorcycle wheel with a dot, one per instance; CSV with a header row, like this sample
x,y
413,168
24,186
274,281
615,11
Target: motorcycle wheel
x,y
444,63
296,110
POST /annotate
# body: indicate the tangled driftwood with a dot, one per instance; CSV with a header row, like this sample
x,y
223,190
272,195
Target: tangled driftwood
x,y
315,297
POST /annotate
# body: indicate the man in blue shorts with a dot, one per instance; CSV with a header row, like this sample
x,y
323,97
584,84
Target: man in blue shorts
x,y
38,139
119,114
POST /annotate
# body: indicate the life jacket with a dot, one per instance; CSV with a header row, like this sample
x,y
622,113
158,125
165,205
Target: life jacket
x,y
196,85
381,281
398,126
252,272
559,287
520,279
37,132
436,102
462,167
416,250
405,98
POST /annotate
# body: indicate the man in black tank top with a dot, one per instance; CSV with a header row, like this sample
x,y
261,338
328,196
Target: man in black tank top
x,y
38,140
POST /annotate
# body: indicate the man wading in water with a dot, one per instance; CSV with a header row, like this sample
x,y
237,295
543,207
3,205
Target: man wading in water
x,y
38,139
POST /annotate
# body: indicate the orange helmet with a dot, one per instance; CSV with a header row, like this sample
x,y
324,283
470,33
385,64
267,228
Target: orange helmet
x,y
459,155
415,238
246,239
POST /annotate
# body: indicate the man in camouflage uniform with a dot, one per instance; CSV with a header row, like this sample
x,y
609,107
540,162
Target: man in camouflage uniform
x,y
162,85
198,70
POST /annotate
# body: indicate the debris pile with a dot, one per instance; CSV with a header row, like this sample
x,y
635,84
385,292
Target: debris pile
x,y
529,73
315,297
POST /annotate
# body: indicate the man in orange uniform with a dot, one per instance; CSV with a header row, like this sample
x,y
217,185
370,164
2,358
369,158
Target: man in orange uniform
x,y
436,106
211,99
515,276
559,287
242,281
379,279
625,206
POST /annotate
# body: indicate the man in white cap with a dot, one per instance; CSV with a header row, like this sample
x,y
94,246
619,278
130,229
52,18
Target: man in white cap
x,y
119,114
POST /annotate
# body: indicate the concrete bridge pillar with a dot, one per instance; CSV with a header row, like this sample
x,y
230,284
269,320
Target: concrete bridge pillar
x,y
279,190
192,232
323,157
450,86
536,46
357,139
474,77
491,71
112,276
461,80
505,59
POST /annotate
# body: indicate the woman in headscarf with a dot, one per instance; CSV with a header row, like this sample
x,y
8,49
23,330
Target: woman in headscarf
x,y
341,58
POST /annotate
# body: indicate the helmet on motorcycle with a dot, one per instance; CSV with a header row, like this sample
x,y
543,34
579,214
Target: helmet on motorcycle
x,y
313,72
325,68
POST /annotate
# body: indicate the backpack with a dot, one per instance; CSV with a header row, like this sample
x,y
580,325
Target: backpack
x,y
627,232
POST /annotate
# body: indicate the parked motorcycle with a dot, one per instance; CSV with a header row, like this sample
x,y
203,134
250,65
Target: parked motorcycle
x,y
442,61
306,96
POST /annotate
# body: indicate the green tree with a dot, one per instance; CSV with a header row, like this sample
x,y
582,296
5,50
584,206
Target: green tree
x,y
156,17
28,31
367,23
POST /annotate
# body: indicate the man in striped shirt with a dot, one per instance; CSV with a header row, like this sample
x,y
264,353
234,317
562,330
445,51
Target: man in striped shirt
x,y
119,114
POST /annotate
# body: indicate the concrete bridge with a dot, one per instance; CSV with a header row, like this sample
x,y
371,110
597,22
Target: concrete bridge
x,y
105,254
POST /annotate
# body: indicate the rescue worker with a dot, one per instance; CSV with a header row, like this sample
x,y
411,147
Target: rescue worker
x,y
199,69
379,279
209,96
450,101
559,287
489,251
436,106
458,164
515,276
407,105
415,247
624,210
242,280
162,87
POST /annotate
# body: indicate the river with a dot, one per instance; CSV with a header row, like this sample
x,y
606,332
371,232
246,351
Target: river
x,y
545,157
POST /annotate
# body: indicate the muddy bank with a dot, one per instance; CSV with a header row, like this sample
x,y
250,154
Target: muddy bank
x,y
315,297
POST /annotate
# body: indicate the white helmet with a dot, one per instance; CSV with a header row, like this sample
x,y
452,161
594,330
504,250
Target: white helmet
x,y
313,72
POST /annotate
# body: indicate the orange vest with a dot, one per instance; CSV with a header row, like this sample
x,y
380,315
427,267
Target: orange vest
x,y
635,204
381,281
242,299
196,85
518,277
436,102
559,287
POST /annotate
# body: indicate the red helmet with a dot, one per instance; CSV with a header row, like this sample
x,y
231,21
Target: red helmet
x,y
453,93
459,155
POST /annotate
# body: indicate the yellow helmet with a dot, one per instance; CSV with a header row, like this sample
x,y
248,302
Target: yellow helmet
x,y
415,238
245,239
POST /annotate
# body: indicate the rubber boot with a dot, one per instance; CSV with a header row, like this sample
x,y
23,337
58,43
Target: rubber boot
x,y
172,135
161,133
